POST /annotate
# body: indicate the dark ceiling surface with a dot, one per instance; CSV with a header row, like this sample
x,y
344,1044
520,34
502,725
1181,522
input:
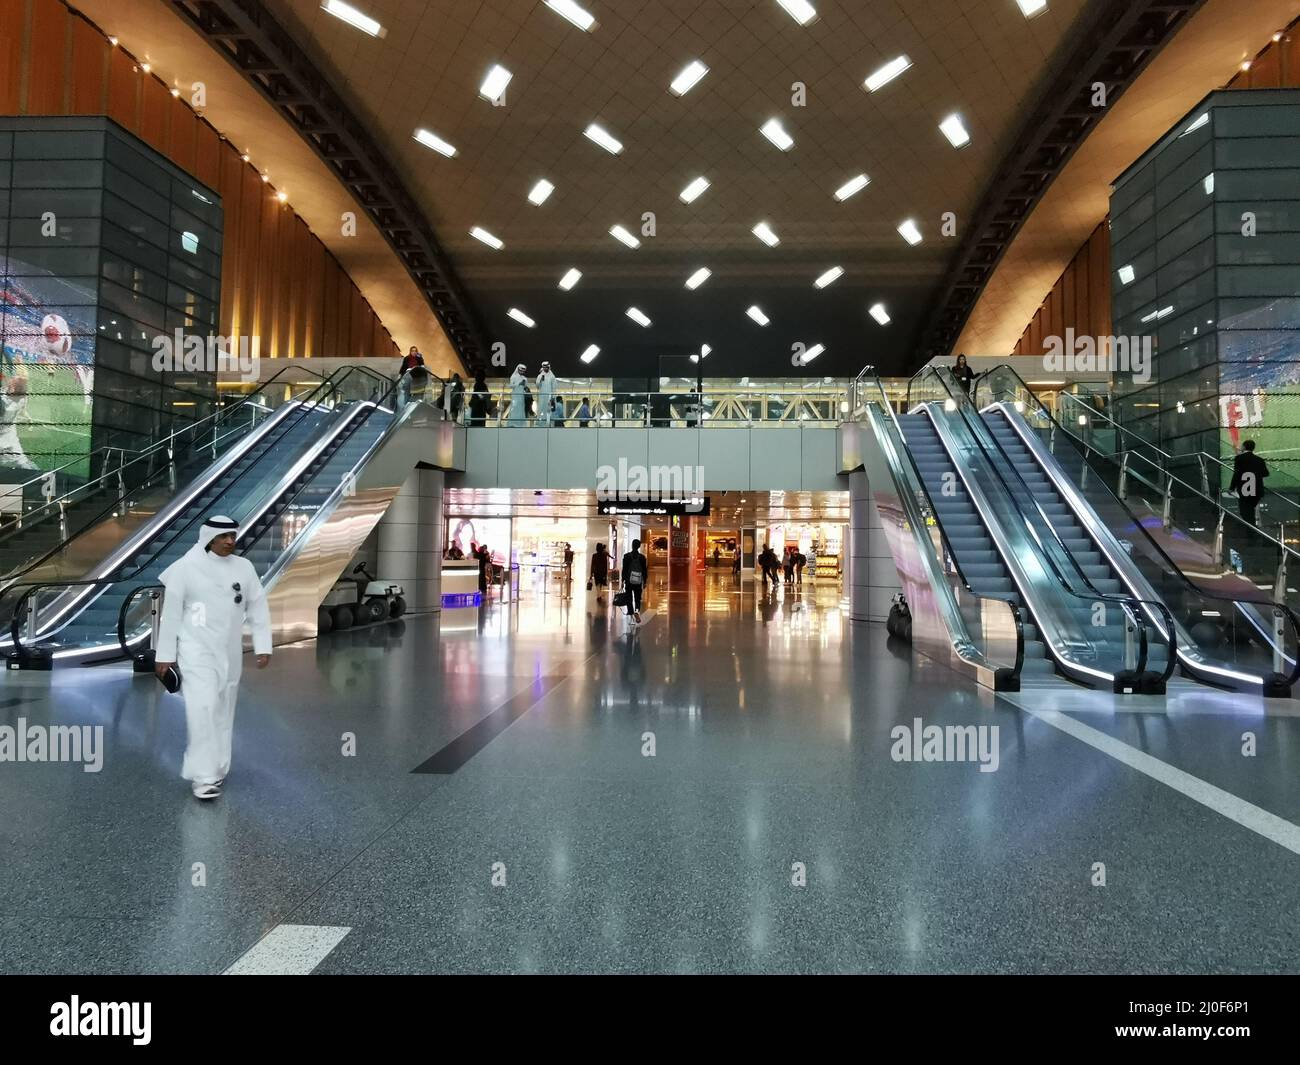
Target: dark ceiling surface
x,y
982,59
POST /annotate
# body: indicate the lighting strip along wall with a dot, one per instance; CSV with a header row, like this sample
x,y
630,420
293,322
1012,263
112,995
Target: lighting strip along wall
x,y
244,32
1114,49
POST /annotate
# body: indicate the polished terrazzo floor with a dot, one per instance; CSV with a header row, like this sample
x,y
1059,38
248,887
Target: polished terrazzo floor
x,y
509,743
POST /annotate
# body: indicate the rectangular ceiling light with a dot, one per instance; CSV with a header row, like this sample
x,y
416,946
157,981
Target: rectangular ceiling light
x,y
851,186
812,353
764,233
619,233
432,140
584,20
833,274
479,233
353,17
799,10
692,191
494,84
610,144
699,277
591,352
775,132
879,78
1126,274
954,130
570,278
910,233
878,312
688,78
756,313
539,192
520,317
1032,7
637,317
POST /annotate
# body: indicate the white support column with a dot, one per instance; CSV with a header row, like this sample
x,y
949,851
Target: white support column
x,y
411,541
870,575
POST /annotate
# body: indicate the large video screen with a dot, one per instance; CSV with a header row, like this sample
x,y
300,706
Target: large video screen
x,y
47,355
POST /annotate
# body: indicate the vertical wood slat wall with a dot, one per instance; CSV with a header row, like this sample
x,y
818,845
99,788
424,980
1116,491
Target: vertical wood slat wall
x,y
1087,278
278,281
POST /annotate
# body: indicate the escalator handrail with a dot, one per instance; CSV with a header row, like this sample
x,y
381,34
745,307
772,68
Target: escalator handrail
x,y
162,444
121,614
19,614
1127,603
1008,601
1167,561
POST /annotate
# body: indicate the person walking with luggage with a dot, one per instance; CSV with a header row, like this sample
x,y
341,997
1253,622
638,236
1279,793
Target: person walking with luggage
x,y
634,571
598,576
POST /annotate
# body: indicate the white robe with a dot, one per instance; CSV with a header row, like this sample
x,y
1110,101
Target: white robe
x,y
518,407
545,393
202,631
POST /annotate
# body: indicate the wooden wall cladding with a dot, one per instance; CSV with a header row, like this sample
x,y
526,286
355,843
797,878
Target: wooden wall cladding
x,y
279,283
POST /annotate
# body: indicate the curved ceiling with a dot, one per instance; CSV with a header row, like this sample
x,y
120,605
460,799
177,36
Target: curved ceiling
x,y
984,61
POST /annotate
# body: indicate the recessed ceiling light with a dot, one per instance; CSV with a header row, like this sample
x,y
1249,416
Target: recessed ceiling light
x,y
699,277
692,191
432,140
910,233
591,352
756,313
584,20
833,274
494,84
1245,64
812,353
619,233
353,17
539,192
884,75
146,67
520,317
775,132
282,196
610,144
799,10
878,312
954,130
689,77
570,278
637,317
1126,274
479,233
1032,7
113,40
764,233
851,186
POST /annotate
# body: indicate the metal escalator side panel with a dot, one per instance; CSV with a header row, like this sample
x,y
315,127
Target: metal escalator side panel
x,y
939,629
1100,532
308,566
1047,601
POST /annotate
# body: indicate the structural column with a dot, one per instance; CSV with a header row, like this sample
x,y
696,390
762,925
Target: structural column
x,y
870,576
411,540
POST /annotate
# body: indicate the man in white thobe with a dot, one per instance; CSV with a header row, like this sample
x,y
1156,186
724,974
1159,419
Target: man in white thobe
x,y
210,593
545,394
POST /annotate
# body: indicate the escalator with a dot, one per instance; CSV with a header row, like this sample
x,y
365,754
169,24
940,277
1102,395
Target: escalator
x,y
307,441
1010,539
1230,631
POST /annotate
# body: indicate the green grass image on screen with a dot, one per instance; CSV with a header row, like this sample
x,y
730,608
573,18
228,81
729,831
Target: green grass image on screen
x,y
54,429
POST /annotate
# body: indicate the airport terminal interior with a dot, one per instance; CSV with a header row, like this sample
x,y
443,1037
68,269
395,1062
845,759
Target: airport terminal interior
x,y
674,486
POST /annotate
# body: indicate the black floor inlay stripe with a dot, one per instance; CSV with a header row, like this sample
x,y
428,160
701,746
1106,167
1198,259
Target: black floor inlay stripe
x,y
470,742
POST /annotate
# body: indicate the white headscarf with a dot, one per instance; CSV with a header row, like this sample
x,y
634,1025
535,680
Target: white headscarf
x,y
217,525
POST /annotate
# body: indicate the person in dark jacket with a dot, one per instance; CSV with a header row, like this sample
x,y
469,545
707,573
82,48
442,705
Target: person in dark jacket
x,y
484,567
1248,473
453,398
964,374
634,571
598,578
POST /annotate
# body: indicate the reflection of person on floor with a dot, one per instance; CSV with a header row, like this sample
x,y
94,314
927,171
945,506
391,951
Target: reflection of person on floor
x,y
1248,473
632,668
210,593
635,571
767,604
